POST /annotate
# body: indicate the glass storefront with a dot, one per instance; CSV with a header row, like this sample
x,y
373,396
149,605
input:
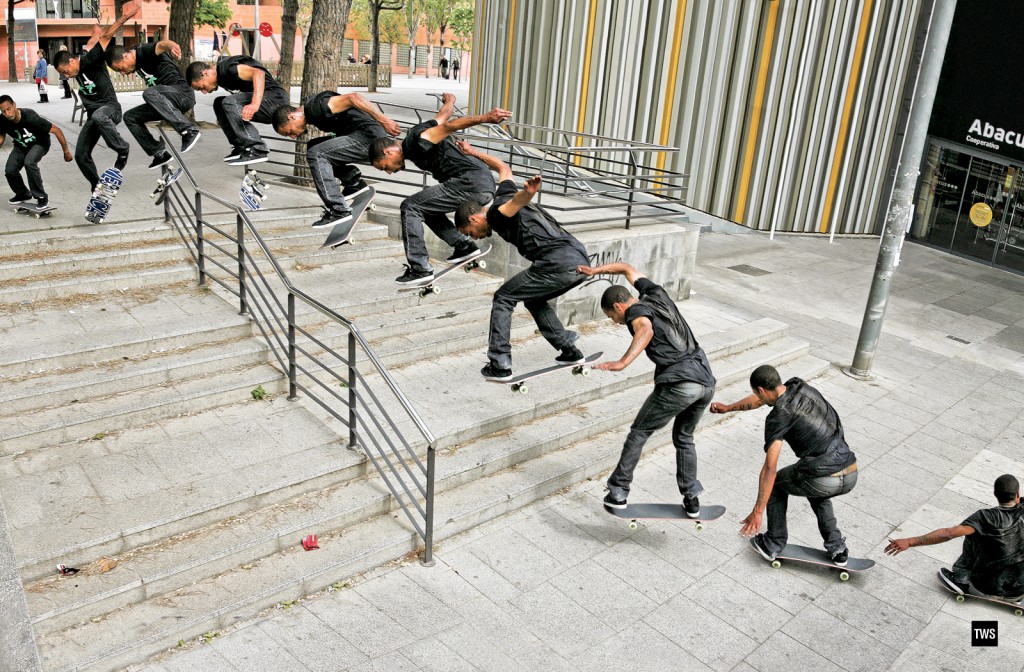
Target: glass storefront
x,y
972,205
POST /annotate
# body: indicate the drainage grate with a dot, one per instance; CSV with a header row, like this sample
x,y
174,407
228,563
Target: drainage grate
x,y
958,339
749,270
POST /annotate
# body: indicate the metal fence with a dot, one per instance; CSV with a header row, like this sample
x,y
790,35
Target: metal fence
x,y
379,418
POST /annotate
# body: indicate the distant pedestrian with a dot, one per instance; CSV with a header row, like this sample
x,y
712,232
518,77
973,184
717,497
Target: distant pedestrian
x,y
351,58
455,68
65,83
444,67
40,75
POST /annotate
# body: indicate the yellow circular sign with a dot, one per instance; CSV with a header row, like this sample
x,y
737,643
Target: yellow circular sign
x,y
981,215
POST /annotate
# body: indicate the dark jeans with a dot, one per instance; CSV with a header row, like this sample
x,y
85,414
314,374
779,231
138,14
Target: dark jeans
x,y
534,289
431,207
685,402
29,160
243,134
102,123
331,159
819,493
163,102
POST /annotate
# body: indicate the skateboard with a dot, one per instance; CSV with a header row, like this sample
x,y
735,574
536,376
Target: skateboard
x,y
103,195
36,212
165,181
817,556
342,233
518,383
253,190
634,512
470,264
1018,607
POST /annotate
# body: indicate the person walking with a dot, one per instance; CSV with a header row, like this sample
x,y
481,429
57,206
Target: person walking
x,y
40,75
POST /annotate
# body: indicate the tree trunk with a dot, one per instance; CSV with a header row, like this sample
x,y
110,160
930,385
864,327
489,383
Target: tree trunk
x,y
284,68
371,86
322,60
412,58
181,29
119,37
12,57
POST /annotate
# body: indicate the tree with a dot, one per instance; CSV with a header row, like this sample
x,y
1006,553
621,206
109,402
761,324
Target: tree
x,y
288,27
411,22
215,13
181,28
436,16
376,7
12,56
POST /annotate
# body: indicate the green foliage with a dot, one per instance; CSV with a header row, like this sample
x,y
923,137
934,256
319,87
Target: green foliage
x,y
214,13
462,21
258,393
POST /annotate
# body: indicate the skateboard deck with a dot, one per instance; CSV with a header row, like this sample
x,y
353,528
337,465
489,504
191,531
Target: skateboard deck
x,y
165,181
342,233
36,211
253,190
634,512
1018,607
470,264
817,556
518,383
103,195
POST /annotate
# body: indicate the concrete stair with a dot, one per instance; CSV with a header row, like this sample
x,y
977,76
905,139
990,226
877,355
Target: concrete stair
x,y
133,435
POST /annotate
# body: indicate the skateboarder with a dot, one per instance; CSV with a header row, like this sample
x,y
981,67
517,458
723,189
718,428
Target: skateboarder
x,y
683,382
461,178
992,560
98,98
827,467
255,94
554,255
30,134
167,95
353,123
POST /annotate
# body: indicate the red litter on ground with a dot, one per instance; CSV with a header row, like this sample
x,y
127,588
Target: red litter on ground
x,y
309,542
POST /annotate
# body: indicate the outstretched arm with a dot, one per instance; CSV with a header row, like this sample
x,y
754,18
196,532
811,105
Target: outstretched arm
x,y
348,101
164,46
765,483
616,268
128,12
747,403
492,162
934,537
447,127
643,332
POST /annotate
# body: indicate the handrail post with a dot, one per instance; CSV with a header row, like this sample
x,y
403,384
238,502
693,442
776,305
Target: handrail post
x,y
240,238
200,243
167,199
352,438
292,396
428,539
632,186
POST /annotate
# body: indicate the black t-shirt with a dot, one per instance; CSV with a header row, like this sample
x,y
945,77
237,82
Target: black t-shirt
x,y
442,160
227,75
94,85
29,131
1000,535
349,122
803,419
677,356
536,235
157,68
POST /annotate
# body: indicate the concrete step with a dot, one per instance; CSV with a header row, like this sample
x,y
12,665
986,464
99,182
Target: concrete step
x,y
79,263
92,417
68,286
127,635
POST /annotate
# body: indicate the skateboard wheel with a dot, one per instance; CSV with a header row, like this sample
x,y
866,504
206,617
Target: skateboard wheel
x,y
523,389
776,564
586,372
959,598
424,292
435,289
700,527
844,576
481,264
632,525
1018,612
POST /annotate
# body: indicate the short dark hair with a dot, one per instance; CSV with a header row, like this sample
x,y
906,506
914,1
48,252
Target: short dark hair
x,y
195,70
466,209
765,377
6,99
614,294
114,53
62,58
1006,489
280,116
378,146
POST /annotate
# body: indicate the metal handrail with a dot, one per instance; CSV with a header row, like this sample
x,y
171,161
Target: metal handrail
x,y
362,412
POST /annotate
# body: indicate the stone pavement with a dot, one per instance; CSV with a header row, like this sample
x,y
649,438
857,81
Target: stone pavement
x,y
560,585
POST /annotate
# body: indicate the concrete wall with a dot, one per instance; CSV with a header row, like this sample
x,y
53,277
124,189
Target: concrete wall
x,y
17,639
